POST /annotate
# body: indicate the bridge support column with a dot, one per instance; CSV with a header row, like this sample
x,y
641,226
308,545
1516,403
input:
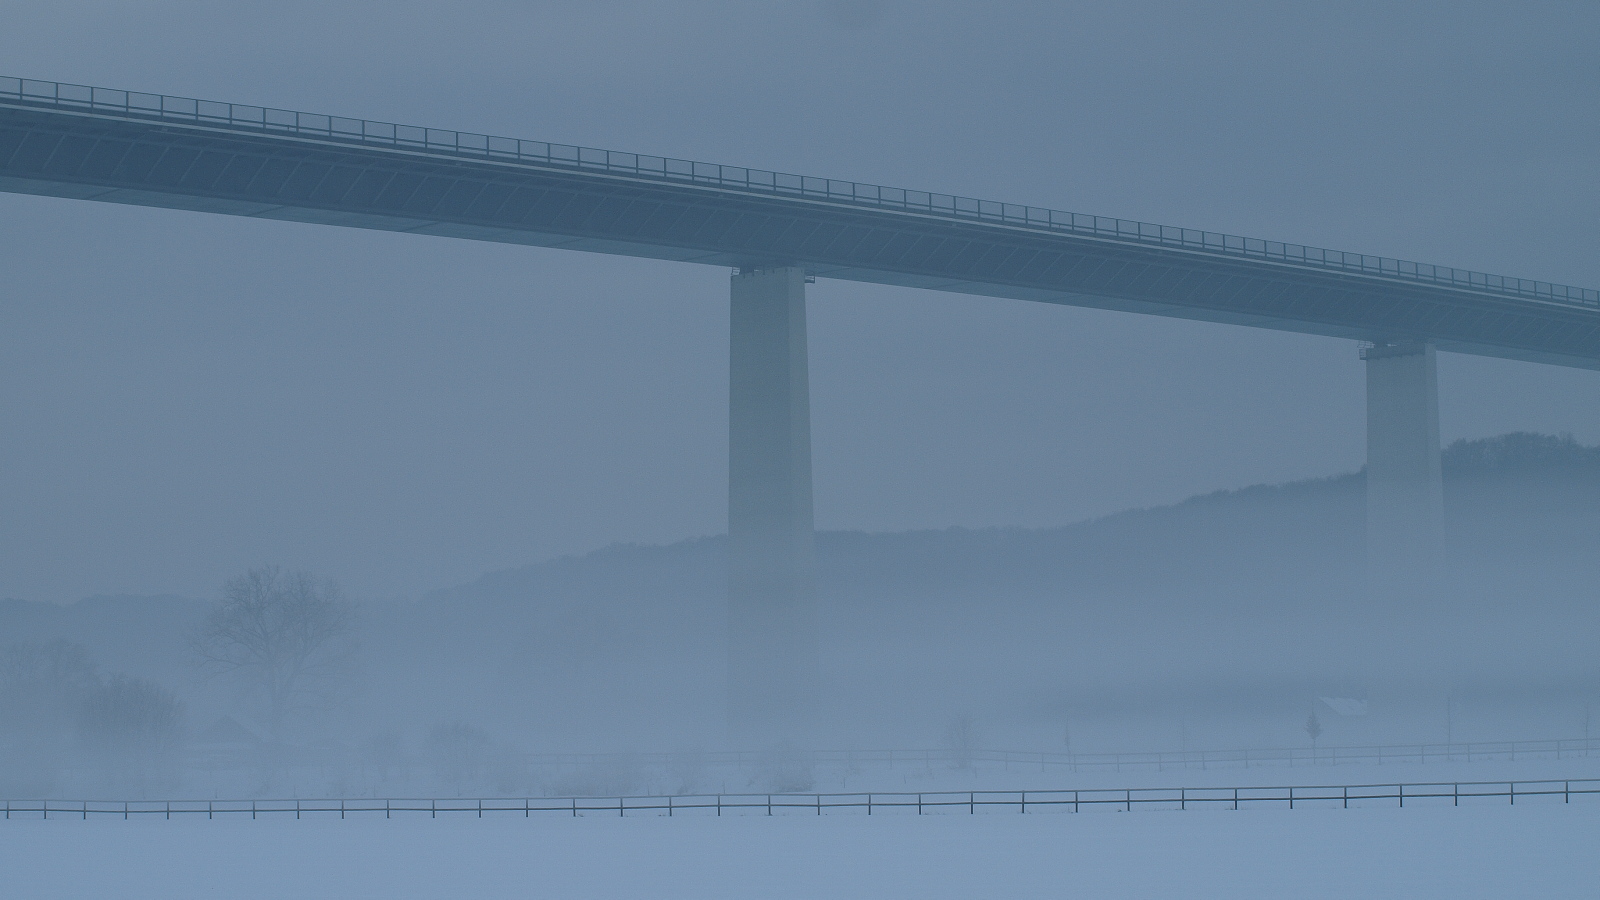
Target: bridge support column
x,y
1405,488
772,628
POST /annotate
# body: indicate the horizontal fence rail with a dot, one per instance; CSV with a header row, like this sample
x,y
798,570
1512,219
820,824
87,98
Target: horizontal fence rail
x,y
340,130
873,803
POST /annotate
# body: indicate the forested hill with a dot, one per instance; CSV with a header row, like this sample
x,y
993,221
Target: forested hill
x,y
1233,593
1236,593
1508,498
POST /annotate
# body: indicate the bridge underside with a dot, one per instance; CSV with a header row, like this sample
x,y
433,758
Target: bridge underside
x,y
273,176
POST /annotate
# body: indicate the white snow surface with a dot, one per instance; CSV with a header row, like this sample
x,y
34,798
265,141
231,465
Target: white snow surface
x,y
1540,850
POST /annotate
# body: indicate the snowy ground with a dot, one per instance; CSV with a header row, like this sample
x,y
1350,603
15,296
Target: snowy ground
x,y
1488,849
1539,850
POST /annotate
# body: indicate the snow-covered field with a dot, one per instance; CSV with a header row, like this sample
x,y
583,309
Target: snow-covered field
x,y
1540,850
1540,847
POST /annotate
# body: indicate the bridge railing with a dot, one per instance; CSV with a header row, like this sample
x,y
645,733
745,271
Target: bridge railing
x,y
338,129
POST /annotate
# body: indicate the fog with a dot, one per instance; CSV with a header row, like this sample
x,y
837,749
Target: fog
x,y
1145,630
502,471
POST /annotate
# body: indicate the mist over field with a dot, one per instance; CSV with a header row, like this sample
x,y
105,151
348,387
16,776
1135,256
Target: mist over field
x,y
1218,623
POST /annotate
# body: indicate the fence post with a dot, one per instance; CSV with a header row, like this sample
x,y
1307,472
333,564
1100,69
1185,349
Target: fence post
x,y
1291,798
1183,798
919,803
1566,792
1235,798
819,804
669,806
1402,792
433,809
1346,791
169,810
1024,809
719,805
252,810
1513,793
480,809
869,803
341,809
386,802
1455,794
208,810
972,803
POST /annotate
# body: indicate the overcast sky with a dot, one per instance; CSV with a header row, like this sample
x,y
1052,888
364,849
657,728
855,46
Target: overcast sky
x,y
183,395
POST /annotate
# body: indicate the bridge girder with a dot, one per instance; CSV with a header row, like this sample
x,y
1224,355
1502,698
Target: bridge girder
x,y
120,157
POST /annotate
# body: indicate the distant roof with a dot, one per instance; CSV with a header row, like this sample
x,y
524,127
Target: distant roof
x,y
228,730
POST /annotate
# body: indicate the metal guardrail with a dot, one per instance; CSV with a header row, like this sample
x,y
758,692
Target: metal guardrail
x,y
921,803
129,104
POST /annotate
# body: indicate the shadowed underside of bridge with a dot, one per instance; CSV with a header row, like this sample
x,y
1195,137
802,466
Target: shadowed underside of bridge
x,y
148,150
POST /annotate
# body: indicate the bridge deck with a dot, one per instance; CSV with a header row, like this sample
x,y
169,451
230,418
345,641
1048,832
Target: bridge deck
x,y
92,143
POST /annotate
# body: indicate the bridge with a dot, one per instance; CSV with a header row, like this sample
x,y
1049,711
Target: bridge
x,y
779,232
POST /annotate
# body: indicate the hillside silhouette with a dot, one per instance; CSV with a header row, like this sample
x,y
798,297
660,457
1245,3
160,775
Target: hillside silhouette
x,y
1250,598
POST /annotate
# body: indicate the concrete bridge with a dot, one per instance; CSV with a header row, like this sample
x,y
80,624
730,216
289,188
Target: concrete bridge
x,y
779,232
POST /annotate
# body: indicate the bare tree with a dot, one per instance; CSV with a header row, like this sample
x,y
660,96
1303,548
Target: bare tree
x,y
961,739
132,729
288,634
41,685
457,751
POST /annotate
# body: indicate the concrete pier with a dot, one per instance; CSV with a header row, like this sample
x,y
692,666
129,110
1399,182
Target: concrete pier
x,y
1405,488
772,628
